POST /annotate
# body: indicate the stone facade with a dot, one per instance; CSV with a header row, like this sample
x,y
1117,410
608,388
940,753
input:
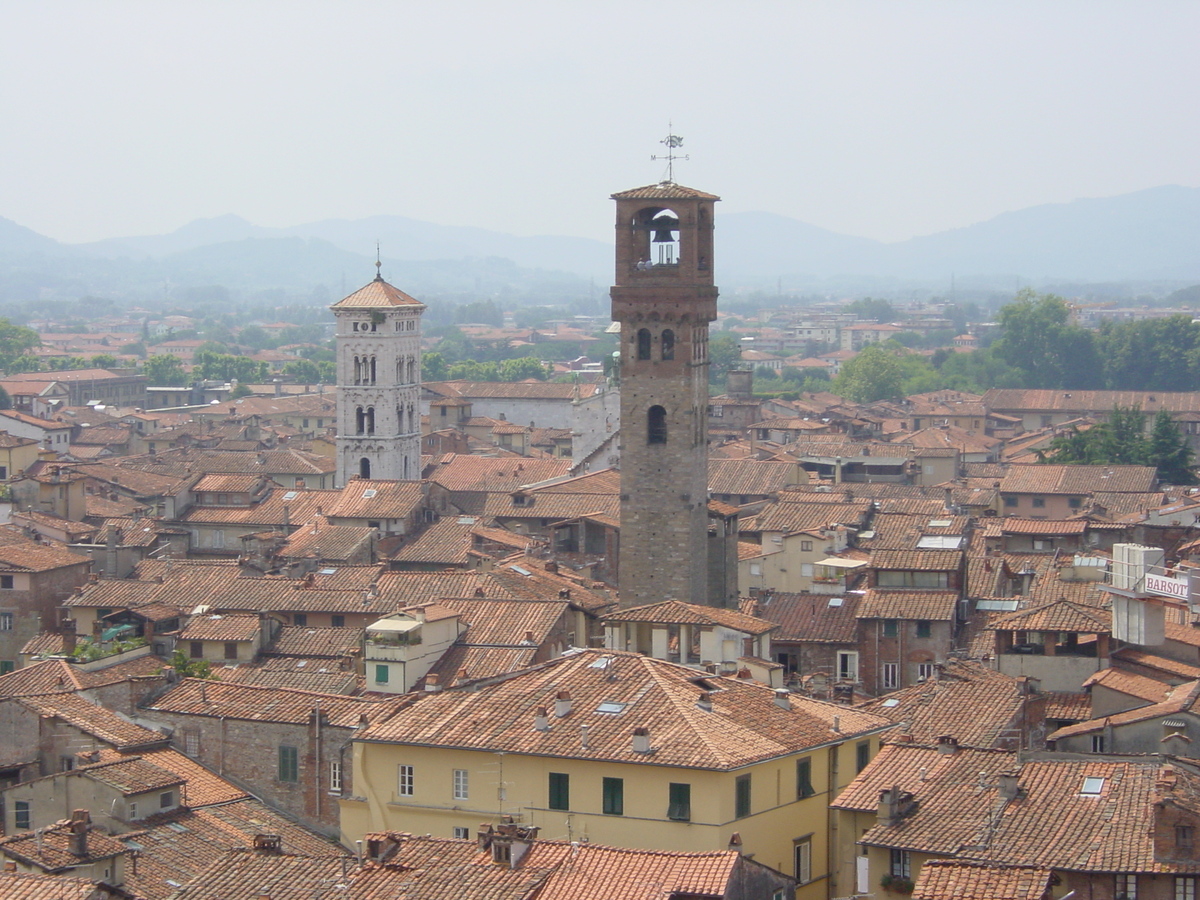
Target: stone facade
x,y
379,383
664,304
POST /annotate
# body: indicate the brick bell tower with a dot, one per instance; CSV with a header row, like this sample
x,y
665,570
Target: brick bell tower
x,y
664,298
378,383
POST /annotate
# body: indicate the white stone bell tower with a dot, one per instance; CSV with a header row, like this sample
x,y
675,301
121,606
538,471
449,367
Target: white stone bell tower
x,y
378,383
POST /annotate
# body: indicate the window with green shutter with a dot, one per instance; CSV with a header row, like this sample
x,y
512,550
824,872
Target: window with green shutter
x,y
742,797
289,764
804,786
560,791
679,802
614,796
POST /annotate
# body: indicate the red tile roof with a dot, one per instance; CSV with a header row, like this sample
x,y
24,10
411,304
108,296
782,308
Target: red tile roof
x,y
377,293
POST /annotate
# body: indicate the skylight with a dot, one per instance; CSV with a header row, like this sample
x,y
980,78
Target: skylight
x,y
601,663
890,702
940,523
369,493
611,708
1092,787
835,602
291,495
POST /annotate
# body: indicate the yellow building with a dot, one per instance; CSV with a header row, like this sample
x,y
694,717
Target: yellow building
x,y
16,454
618,749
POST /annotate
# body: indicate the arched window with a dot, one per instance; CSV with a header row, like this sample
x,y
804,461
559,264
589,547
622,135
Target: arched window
x,y
643,343
370,420
668,344
656,425
372,373
364,468
360,420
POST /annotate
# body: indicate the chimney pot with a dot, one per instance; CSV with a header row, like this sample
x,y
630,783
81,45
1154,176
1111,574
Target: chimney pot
x,y
783,698
432,683
641,740
540,721
562,704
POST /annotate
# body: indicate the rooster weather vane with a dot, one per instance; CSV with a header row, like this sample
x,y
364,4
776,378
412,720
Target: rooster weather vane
x,y
672,142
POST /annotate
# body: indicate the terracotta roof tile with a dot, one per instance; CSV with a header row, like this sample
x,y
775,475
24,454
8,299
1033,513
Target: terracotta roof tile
x,y
943,879
970,702
1059,615
217,627
744,725
917,560
937,606
676,612
811,617
297,640
101,723
193,696
377,293
1056,479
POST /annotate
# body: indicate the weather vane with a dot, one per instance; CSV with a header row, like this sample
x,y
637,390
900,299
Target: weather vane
x,y
672,142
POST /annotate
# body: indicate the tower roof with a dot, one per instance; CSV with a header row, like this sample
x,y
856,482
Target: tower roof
x,y
375,294
666,190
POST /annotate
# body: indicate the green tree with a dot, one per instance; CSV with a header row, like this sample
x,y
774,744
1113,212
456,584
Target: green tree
x,y
520,369
875,374
1122,439
1170,451
5,399
724,353
15,342
869,308
433,366
1150,355
103,361
242,390
1040,342
164,370
190,668
473,370
303,370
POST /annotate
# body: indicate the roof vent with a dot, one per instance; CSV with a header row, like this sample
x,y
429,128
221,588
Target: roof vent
x,y
783,698
540,721
704,701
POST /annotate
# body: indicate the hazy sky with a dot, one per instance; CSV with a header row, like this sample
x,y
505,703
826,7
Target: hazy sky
x,y
881,119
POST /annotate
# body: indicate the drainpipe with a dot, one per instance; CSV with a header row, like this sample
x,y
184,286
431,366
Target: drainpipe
x,y
317,730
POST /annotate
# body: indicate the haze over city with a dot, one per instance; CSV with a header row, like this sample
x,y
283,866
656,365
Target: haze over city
x,y
880,120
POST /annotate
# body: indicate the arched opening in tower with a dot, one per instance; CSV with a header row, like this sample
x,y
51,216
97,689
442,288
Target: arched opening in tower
x,y
656,425
643,343
364,468
668,344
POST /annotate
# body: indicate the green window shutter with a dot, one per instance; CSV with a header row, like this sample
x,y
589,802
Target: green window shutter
x,y
381,674
560,791
804,786
679,799
614,796
742,796
289,764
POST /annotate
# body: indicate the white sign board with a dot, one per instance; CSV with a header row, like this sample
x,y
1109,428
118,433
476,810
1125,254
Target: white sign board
x,y
1167,586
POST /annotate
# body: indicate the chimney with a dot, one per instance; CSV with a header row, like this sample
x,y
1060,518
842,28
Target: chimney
x,y
268,843
562,704
947,745
583,735
1008,786
432,683
68,636
783,698
641,740
837,723
81,822
735,842
540,722
894,804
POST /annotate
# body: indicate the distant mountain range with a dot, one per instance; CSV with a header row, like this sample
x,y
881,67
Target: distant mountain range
x,y
1147,236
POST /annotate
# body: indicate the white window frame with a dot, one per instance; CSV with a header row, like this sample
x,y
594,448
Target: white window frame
x,y
405,780
462,833
889,676
1185,887
925,671
7,621
1125,885
802,854
335,775
847,662
462,781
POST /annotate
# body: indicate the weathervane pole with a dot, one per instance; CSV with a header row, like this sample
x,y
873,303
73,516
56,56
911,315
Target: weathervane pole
x,y
672,142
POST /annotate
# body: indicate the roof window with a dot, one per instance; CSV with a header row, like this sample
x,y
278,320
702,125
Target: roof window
x,y
611,707
1092,787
